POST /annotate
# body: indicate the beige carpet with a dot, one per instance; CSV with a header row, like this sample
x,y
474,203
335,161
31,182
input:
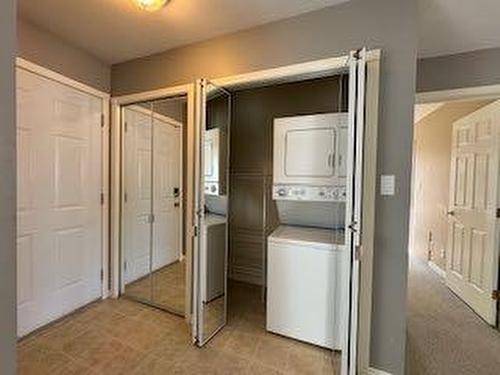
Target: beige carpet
x,y
444,335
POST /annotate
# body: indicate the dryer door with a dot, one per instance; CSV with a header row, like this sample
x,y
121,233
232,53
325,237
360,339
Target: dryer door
x,y
305,149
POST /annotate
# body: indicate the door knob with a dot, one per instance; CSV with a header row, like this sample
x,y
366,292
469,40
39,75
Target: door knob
x,y
451,213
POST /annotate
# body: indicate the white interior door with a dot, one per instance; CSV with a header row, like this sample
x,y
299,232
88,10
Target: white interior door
x,y
59,200
138,194
472,259
166,201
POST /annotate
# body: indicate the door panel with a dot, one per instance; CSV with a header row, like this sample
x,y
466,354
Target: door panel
x,y
472,265
166,248
138,202
211,247
59,209
154,270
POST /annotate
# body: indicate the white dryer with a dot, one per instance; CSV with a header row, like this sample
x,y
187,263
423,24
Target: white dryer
x,y
310,157
305,274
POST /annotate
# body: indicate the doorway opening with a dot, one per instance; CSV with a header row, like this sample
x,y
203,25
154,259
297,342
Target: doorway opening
x,y
453,270
153,238
274,242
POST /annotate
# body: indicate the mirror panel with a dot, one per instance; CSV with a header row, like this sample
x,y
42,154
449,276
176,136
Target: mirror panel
x,y
137,207
153,241
168,273
214,225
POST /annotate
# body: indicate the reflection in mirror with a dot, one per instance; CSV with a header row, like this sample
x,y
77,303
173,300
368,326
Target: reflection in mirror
x,y
169,276
154,267
137,201
214,231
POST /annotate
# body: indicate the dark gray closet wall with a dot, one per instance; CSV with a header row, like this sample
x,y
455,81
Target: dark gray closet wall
x,y
251,162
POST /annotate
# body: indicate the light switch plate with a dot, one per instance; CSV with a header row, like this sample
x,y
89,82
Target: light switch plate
x,y
387,184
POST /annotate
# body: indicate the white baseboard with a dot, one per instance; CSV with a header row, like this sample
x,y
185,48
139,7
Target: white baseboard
x,y
433,266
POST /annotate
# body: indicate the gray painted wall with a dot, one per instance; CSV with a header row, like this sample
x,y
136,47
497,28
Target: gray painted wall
x,y
48,50
386,24
251,153
468,69
7,190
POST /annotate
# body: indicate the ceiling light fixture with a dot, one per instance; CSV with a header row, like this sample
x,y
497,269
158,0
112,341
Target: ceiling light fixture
x,y
151,5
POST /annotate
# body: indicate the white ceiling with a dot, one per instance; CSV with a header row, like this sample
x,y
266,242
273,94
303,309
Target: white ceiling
x,y
116,30
453,26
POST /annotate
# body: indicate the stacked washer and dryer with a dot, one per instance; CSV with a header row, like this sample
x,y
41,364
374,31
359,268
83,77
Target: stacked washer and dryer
x,y
307,256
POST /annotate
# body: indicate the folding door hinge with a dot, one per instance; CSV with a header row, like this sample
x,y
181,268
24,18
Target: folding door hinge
x,y
358,252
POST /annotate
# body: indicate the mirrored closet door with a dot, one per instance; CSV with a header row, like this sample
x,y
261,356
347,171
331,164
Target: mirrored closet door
x,y
153,269
214,126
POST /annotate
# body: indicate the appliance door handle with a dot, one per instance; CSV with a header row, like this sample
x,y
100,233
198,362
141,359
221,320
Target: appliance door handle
x,y
330,159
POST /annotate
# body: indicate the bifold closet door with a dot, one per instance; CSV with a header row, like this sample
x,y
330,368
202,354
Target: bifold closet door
x,y
213,119
355,170
152,269
168,273
59,254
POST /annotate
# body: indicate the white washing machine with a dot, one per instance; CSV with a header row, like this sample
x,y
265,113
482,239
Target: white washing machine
x,y
213,257
304,281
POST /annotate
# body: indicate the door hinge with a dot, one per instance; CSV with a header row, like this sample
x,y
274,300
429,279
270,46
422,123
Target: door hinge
x,y
102,120
125,126
195,231
125,197
125,266
151,218
495,295
358,252
102,275
102,199
353,227
498,213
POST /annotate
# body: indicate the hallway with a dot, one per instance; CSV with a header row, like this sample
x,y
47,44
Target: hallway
x,y
444,336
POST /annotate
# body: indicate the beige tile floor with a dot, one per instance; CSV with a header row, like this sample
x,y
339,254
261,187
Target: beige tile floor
x,y
125,337
165,287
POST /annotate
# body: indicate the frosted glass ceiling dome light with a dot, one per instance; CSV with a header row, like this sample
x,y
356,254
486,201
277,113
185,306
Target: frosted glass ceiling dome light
x,y
151,5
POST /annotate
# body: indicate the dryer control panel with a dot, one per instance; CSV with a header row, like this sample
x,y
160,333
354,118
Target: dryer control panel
x,y
309,193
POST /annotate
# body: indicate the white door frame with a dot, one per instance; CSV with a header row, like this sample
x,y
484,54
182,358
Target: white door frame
x,y
117,147
105,98
287,73
466,93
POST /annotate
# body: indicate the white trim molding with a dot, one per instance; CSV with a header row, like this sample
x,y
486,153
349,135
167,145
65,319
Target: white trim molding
x,y
57,77
467,93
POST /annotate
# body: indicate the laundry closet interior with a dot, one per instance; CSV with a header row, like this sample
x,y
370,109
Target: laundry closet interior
x,y
240,205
